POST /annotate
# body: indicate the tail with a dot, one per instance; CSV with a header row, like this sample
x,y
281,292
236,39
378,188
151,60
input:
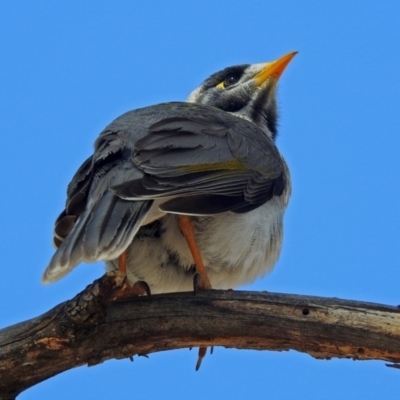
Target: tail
x,y
103,231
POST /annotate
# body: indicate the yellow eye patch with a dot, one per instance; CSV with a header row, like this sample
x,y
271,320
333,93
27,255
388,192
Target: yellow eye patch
x,y
221,85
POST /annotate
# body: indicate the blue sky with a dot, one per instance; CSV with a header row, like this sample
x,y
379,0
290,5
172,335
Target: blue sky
x,y
68,68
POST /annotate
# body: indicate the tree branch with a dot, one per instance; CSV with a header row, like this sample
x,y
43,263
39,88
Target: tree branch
x,y
92,328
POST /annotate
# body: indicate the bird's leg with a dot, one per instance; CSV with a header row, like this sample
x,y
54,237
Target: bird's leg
x,y
122,263
201,281
139,288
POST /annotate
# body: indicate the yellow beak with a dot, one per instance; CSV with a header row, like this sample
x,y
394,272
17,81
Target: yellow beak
x,y
274,69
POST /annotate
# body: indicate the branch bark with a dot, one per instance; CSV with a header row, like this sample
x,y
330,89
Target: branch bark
x,y
93,327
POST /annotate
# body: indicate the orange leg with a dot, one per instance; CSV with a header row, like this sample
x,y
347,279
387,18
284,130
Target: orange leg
x,y
186,226
201,281
122,263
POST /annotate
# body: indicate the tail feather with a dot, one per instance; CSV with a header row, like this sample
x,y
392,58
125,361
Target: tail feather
x,y
112,226
102,232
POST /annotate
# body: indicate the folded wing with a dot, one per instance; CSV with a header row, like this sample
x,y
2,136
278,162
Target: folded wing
x,y
204,166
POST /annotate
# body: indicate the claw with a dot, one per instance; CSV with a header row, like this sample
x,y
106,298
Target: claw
x,y
142,288
139,288
201,282
202,353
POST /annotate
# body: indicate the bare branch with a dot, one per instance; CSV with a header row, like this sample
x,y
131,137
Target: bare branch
x,y
92,328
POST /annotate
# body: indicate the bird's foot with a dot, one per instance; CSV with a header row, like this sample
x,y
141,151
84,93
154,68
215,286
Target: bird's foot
x,y
201,282
139,288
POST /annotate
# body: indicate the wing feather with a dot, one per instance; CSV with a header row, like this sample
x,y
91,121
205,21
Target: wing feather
x,y
208,166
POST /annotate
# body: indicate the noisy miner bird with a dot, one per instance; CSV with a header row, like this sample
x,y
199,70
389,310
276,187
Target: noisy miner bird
x,y
184,190
214,161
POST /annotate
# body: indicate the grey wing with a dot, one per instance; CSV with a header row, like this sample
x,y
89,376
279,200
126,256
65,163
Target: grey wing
x,y
204,166
96,224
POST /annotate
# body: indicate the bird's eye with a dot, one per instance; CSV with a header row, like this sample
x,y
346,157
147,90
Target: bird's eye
x,y
230,80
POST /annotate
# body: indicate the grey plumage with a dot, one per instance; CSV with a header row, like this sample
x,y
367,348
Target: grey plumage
x,y
218,164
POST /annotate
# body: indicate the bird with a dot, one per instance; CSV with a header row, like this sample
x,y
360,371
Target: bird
x,y
184,194
212,157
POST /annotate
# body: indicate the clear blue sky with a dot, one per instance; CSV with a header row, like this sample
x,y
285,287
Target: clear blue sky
x,y
69,68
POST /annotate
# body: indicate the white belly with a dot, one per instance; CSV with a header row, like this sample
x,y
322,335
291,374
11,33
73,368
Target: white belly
x,y
236,249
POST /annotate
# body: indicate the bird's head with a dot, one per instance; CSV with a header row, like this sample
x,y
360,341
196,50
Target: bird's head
x,y
247,91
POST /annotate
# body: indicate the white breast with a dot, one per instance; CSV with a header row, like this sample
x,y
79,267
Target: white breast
x,y
236,249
